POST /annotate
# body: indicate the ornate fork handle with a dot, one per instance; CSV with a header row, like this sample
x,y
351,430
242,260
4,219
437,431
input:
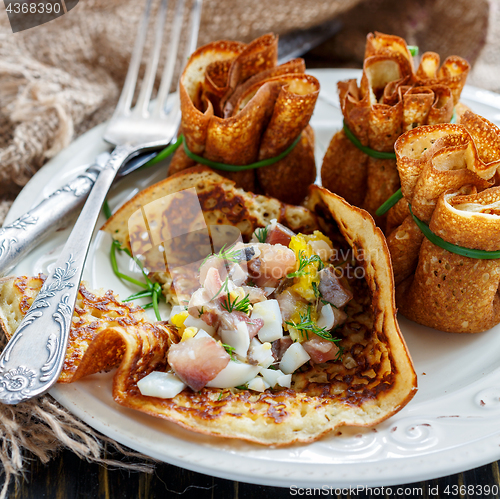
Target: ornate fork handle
x,y
43,334
19,237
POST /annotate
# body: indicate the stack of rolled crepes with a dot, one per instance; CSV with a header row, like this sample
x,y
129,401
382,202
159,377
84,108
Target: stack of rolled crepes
x,y
239,107
444,236
391,100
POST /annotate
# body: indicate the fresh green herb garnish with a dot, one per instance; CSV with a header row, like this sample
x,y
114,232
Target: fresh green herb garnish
x,y
201,312
106,210
261,234
240,305
317,292
304,261
151,288
224,287
220,395
307,325
241,387
230,350
224,254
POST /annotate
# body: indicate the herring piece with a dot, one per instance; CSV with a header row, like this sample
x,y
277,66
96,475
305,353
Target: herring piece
x,y
234,374
293,358
197,360
331,288
269,311
161,385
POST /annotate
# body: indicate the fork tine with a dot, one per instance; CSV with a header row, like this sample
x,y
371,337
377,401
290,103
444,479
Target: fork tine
x,y
168,73
127,94
171,58
152,65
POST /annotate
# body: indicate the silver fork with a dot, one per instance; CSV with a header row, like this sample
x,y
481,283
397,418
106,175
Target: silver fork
x,y
33,359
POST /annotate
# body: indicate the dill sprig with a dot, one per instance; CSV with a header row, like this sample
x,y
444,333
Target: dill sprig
x,y
240,305
225,254
261,234
224,287
230,350
307,325
304,262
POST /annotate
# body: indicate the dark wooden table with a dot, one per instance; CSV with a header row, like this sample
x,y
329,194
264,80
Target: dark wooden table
x,y
68,477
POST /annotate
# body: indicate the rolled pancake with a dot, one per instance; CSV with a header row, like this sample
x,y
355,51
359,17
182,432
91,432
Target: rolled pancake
x,y
103,330
375,377
239,107
447,175
390,100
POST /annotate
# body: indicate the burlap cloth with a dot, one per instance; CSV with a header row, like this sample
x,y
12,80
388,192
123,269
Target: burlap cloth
x,y
60,79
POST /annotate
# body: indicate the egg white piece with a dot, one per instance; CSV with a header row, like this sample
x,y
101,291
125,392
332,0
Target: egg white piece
x,y
239,339
285,381
176,309
327,318
162,385
294,357
261,352
258,385
269,311
234,374
271,376
200,324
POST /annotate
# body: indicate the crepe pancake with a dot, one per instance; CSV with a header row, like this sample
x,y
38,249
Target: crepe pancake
x,y
375,377
103,330
238,107
391,99
447,175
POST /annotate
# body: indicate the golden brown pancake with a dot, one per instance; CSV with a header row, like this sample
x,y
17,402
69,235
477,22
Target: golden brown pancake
x,y
373,380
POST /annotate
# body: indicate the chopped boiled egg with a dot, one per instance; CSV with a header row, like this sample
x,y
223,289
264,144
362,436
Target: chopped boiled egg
x,y
258,384
176,309
191,321
162,385
269,312
178,318
234,374
327,318
239,339
294,357
189,332
271,376
285,381
261,353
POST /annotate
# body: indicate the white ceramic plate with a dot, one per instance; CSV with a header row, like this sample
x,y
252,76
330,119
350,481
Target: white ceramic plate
x,y
451,425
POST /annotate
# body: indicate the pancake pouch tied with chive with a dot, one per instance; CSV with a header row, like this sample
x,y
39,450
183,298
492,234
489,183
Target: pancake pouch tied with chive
x,y
239,107
449,176
391,99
